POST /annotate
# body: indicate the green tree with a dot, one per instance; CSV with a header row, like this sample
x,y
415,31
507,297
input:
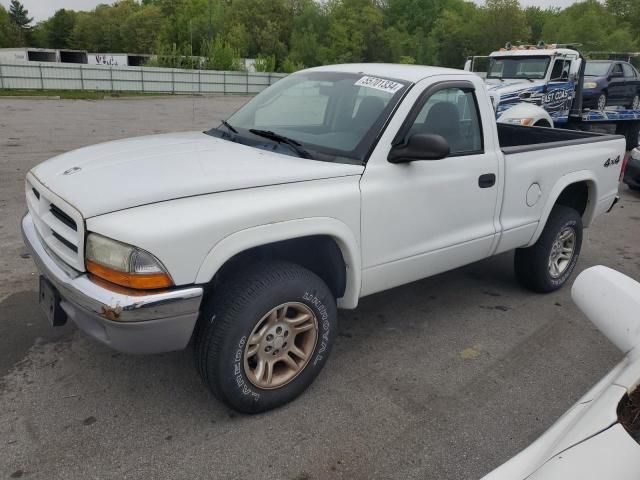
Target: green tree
x,y
9,32
219,55
591,24
455,35
139,32
503,21
355,32
537,18
58,30
266,63
20,15
308,33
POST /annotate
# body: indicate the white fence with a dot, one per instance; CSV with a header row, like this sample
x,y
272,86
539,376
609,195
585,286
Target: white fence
x,y
60,76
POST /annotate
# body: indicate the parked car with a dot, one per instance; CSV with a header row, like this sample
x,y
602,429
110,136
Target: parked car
x,y
632,170
335,183
598,437
608,83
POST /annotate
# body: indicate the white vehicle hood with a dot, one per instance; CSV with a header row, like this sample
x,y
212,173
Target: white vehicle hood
x,y
127,173
511,89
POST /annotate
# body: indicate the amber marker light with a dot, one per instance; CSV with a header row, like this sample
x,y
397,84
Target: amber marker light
x,y
124,265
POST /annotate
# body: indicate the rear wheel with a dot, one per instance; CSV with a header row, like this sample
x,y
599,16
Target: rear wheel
x,y
265,335
548,264
635,103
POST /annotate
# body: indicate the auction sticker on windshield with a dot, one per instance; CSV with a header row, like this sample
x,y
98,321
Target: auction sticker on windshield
x,y
379,84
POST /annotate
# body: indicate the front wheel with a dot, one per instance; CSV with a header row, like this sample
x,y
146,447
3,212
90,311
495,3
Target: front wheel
x,y
264,337
547,264
602,101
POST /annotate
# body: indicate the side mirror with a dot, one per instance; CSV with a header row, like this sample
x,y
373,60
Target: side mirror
x,y
419,146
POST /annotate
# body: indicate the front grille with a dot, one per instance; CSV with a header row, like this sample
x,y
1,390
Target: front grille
x,y
63,217
59,224
64,241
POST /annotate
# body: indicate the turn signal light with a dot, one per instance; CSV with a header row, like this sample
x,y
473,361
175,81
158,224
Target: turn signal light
x,y
143,281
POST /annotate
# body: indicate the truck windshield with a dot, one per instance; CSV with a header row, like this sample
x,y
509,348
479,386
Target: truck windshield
x,y
333,116
518,67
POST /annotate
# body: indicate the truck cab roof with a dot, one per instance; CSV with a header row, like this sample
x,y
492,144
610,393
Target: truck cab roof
x,y
409,73
531,52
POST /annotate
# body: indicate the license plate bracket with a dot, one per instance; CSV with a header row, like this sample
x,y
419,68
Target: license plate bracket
x,y
49,299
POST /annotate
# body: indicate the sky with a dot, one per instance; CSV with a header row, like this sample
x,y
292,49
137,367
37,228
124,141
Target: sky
x,y
43,9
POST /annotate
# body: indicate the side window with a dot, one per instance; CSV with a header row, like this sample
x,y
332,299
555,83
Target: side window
x,y
560,71
617,70
628,70
453,114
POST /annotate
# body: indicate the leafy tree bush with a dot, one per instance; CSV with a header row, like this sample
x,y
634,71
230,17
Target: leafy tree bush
x,y
219,55
286,34
266,63
290,66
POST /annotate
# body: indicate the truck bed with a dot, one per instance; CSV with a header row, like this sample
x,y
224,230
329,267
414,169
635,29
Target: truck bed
x,y
518,139
536,157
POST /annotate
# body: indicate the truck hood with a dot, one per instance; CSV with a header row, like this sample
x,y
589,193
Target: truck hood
x,y
127,173
511,90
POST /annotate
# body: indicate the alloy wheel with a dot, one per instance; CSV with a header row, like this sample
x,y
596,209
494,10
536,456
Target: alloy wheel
x,y
562,252
280,345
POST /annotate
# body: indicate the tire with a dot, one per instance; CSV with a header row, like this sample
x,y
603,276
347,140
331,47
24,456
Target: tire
x,y
533,264
254,304
601,102
635,102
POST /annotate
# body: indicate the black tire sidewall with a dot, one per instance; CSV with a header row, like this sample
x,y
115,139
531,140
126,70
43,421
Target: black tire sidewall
x,y
228,364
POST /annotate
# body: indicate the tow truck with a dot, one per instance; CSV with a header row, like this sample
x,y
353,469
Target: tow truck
x,y
541,85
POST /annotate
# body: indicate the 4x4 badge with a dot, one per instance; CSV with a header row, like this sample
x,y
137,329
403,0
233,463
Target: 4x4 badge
x,y
610,162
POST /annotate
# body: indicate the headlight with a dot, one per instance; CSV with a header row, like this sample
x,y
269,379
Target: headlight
x,y
519,121
124,264
589,85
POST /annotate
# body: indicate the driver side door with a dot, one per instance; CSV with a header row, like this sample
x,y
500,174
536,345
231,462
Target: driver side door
x,y
424,217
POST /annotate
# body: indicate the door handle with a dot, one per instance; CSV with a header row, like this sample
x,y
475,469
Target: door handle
x,y
487,180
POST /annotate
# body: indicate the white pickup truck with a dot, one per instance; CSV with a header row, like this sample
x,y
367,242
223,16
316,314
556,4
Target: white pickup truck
x,y
335,183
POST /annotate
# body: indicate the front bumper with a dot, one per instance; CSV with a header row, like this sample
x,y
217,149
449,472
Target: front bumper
x,y
126,320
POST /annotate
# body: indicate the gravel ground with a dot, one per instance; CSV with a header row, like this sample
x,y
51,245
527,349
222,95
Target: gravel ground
x,y
443,378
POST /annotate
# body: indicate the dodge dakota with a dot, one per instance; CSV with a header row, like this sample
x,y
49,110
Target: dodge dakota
x,y
335,183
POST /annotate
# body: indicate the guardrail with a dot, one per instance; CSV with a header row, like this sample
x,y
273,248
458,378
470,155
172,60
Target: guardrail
x,y
20,75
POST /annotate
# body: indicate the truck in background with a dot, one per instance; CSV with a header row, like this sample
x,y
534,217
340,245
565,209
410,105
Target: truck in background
x,y
541,85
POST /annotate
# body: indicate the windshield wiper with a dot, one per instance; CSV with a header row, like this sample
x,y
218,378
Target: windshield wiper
x,y
229,127
276,137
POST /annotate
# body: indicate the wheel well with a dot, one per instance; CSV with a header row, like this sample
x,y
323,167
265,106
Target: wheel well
x,y
318,253
542,123
575,196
